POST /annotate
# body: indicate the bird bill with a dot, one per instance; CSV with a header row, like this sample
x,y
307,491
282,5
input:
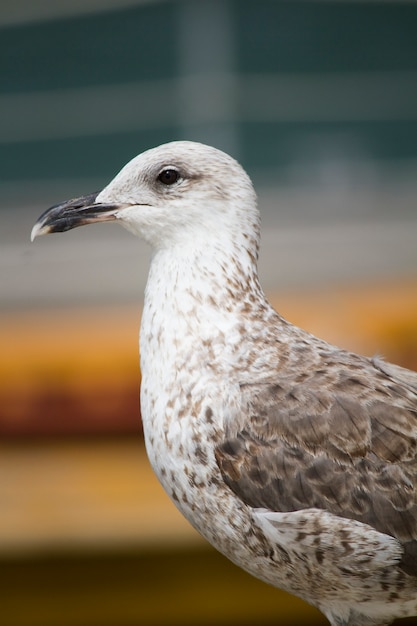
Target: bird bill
x,y
73,213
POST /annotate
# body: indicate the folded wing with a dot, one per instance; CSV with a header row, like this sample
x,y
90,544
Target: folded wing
x,y
340,437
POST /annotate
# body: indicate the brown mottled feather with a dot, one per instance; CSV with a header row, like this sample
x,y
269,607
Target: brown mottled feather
x,y
341,435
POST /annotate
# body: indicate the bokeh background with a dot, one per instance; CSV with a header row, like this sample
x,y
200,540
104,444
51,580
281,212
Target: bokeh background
x,y
318,100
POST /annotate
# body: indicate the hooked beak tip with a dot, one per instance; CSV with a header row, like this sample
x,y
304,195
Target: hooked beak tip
x,y
39,230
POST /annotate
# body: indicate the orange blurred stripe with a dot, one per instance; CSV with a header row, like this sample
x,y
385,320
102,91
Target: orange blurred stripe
x,y
76,370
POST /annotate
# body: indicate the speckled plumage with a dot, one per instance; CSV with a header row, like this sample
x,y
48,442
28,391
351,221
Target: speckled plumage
x,y
294,458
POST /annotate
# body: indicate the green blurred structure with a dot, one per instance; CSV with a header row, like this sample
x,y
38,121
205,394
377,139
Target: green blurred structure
x,y
294,89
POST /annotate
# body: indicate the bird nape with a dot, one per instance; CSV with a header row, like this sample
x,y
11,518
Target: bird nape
x,y
294,458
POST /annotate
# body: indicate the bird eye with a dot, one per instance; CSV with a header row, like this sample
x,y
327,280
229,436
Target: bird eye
x,y
169,176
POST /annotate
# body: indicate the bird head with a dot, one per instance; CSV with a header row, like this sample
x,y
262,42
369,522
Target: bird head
x,y
173,194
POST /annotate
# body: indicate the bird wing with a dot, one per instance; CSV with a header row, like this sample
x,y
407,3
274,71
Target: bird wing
x,y
339,437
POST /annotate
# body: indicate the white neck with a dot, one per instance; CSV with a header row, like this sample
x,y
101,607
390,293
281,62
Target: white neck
x,y
199,291
197,301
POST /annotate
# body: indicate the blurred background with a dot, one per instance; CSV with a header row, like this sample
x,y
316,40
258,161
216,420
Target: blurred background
x,y
318,100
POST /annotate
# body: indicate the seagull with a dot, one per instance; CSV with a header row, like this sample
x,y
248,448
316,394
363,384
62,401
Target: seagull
x,y
296,459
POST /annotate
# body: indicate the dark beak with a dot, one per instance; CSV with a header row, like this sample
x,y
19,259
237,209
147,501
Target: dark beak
x,y
73,213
